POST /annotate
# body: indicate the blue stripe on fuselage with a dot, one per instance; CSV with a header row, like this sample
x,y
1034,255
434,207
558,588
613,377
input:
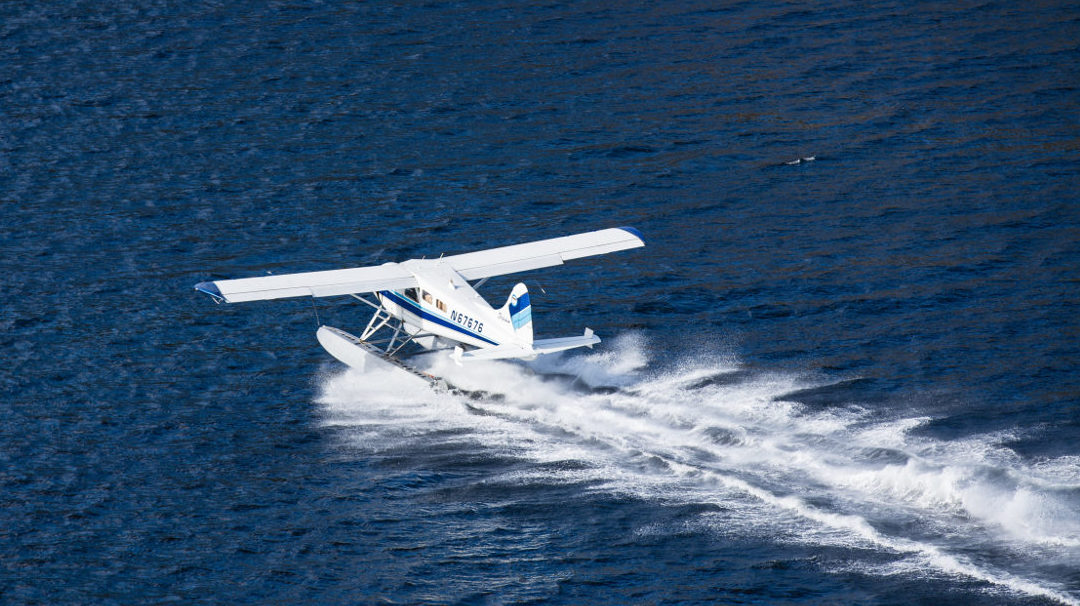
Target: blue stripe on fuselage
x,y
415,309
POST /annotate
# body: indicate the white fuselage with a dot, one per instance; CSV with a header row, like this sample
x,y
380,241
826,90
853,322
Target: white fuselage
x,y
445,305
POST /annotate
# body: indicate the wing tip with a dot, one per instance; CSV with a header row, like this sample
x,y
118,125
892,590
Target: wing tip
x,y
211,289
633,231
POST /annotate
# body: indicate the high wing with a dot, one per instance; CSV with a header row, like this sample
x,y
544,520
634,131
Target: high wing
x,y
543,253
389,276
394,276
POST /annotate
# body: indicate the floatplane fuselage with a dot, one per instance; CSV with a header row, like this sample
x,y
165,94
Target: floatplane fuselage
x,y
445,306
431,303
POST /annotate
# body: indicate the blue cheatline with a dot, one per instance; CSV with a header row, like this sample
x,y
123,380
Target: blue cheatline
x,y
423,313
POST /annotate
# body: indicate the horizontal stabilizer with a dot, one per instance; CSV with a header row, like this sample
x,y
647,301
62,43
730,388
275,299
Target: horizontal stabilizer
x,y
546,346
526,352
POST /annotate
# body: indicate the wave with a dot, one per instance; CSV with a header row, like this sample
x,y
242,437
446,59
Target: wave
x,y
712,431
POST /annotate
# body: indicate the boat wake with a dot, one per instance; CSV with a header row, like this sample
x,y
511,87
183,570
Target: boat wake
x,y
835,473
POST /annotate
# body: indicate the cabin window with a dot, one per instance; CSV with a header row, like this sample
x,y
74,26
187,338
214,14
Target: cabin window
x,y
411,293
427,297
440,305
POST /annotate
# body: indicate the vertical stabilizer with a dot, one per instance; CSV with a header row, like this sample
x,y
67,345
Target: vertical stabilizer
x,y
519,309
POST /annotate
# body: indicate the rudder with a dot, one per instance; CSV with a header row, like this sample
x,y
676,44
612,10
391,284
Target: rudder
x,y
519,310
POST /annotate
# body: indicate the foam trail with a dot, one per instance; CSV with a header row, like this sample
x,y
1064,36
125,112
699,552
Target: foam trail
x,y
931,556
716,432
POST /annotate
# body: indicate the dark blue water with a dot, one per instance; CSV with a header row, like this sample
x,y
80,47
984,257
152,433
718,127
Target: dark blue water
x,y
847,379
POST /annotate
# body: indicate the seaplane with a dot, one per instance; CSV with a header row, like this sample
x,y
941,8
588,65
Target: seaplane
x,y
433,304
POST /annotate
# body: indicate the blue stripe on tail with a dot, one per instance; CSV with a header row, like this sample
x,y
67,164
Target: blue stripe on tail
x,y
521,311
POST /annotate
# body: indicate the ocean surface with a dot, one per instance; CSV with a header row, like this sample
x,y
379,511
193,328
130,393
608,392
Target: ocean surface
x,y
844,370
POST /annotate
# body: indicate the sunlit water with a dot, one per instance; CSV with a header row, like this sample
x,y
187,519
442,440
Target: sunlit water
x,y
740,448
844,369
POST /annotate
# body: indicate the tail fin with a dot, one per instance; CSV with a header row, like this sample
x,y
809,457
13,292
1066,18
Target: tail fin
x,y
519,309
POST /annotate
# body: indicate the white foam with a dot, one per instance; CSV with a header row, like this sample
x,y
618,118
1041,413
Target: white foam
x,y
618,363
835,476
